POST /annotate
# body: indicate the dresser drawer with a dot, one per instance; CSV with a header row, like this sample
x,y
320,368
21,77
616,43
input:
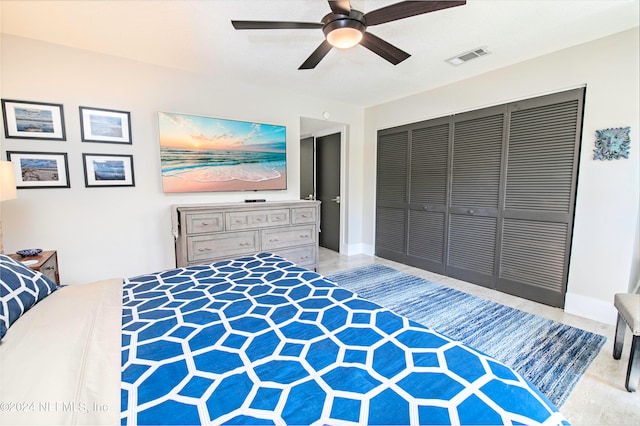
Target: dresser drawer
x,y
204,222
303,215
256,219
300,256
205,247
287,237
50,269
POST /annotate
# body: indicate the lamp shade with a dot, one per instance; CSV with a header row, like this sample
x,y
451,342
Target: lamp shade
x,y
344,38
7,181
344,33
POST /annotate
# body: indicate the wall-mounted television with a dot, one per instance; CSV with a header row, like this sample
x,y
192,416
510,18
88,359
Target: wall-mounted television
x,y
204,154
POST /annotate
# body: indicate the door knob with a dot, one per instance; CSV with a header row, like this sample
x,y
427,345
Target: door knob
x,y
337,199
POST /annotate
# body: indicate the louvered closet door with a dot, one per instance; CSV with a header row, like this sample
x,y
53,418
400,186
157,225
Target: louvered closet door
x,y
541,175
429,148
475,195
391,191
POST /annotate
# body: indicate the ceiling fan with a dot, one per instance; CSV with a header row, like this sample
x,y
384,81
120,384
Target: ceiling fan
x,y
345,27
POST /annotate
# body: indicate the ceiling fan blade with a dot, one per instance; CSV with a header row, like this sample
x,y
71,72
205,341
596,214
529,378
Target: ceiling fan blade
x,y
383,49
341,7
273,25
317,55
407,9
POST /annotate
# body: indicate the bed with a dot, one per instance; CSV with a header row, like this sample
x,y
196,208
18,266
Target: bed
x,y
255,340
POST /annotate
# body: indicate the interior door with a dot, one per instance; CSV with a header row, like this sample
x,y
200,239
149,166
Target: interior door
x,y
391,194
307,169
429,162
541,179
328,189
474,201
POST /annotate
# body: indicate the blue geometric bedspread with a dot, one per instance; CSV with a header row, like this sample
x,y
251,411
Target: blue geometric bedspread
x,y
259,340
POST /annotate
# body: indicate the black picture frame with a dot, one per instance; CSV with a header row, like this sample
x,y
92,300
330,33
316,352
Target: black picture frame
x,y
40,169
33,120
105,125
108,170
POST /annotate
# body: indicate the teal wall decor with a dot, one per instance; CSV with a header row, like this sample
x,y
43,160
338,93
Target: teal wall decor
x,y
612,144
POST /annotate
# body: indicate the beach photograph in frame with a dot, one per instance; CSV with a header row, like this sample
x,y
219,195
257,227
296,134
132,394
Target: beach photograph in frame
x,y
105,125
204,154
40,169
103,170
33,120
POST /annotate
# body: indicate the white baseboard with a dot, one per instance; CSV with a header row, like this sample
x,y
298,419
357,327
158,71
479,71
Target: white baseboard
x,y
588,307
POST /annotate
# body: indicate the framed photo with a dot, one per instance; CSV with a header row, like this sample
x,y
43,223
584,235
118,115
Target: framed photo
x,y
105,125
33,120
108,170
40,169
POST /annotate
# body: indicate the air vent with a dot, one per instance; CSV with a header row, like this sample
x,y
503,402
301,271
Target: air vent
x,y
467,56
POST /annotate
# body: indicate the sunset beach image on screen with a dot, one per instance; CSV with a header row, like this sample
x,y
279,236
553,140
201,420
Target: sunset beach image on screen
x,y
203,154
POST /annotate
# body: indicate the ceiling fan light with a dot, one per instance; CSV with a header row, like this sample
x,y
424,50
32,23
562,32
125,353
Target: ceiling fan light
x,y
344,38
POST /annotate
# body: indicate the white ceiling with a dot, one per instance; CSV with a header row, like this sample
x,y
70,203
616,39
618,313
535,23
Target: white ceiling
x,y
197,36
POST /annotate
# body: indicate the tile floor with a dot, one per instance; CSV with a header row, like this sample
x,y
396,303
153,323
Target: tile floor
x,y
599,398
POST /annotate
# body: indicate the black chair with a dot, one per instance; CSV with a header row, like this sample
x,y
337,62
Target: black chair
x,y
628,306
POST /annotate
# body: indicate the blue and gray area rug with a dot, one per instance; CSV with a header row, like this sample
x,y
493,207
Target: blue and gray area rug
x,y
551,355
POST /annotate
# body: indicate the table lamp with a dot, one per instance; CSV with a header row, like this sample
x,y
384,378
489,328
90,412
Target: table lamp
x,y
7,189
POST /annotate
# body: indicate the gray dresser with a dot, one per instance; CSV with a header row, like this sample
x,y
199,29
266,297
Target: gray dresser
x,y
205,233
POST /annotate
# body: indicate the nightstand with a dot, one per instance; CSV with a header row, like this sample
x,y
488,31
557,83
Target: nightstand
x,y
46,262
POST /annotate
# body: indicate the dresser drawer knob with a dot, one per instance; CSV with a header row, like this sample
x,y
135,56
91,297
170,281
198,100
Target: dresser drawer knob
x,y
304,236
205,223
204,249
273,240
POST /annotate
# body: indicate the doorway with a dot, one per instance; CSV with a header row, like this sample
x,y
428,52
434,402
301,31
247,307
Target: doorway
x,y
320,179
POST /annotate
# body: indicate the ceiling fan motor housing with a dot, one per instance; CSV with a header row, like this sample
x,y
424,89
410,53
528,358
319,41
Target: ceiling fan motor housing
x,y
334,21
